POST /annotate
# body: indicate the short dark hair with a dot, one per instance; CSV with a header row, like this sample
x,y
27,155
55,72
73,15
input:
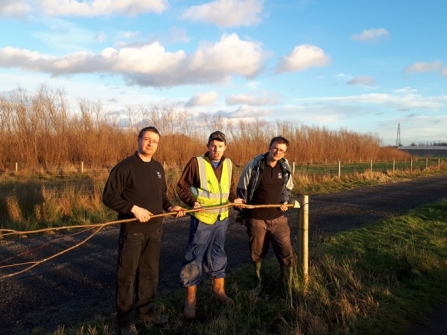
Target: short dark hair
x,y
151,129
279,139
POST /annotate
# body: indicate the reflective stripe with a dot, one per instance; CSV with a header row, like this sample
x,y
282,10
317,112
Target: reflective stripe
x,y
212,192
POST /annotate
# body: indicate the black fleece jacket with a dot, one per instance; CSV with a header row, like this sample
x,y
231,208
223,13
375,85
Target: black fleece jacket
x,y
135,182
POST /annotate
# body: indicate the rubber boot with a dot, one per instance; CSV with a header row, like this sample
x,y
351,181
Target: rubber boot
x,y
287,277
219,291
190,302
258,284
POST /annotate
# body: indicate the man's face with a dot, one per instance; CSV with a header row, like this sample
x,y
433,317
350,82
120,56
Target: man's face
x,y
148,144
216,149
277,151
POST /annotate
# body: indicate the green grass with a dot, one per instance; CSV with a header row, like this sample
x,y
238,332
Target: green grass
x,y
379,279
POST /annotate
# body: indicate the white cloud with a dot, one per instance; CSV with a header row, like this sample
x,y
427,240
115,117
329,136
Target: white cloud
x,y
361,80
202,99
244,112
227,13
397,101
303,57
14,8
178,34
150,65
435,66
102,7
251,100
371,35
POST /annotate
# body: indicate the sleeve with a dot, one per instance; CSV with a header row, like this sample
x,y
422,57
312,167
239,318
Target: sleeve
x,y
164,193
113,190
286,194
190,177
244,180
232,196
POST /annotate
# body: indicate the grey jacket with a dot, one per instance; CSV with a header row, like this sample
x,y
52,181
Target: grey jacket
x,y
251,176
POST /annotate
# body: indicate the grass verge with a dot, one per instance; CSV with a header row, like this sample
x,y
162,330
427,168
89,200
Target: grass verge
x,y
379,279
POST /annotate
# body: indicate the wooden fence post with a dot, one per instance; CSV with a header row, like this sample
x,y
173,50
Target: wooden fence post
x,y
17,167
82,167
303,240
339,169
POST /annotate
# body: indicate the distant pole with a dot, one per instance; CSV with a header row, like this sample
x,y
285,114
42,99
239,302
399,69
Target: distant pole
x,y
293,168
394,165
82,167
426,163
339,169
411,164
398,144
371,165
17,167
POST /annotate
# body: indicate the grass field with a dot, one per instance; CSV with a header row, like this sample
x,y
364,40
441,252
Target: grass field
x,y
379,279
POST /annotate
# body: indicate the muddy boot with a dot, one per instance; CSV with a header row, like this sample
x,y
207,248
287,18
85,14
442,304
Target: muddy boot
x,y
258,283
190,302
219,291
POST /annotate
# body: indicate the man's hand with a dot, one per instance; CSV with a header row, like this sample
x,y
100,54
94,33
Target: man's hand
x,y
284,207
142,215
180,211
197,205
239,201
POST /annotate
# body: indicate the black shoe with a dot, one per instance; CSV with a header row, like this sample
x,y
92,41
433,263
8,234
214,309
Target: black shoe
x,y
156,319
131,330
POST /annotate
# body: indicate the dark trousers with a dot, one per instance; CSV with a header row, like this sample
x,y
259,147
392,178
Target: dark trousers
x,y
277,232
137,275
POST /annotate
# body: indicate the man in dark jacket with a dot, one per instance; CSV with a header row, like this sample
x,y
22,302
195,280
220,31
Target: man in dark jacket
x,y
267,180
136,188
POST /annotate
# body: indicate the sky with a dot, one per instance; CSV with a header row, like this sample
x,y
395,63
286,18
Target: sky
x,y
372,67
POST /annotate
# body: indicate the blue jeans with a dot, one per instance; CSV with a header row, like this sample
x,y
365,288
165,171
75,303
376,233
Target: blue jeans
x,y
138,259
205,252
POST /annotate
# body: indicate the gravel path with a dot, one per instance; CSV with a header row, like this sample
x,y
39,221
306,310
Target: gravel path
x,y
80,284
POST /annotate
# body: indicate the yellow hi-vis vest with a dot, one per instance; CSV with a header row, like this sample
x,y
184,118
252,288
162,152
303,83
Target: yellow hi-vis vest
x,y
212,192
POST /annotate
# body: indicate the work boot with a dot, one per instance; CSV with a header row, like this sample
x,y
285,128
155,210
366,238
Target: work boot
x,y
219,291
190,302
287,278
258,283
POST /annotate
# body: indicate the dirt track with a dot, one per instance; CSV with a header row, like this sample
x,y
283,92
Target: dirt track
x,y
81,283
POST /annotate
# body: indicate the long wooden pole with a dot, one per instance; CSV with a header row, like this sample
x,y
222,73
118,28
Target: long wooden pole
x,y
8,232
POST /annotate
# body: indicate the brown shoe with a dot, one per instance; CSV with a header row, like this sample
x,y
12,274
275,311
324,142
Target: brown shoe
x,y
219,291
190,302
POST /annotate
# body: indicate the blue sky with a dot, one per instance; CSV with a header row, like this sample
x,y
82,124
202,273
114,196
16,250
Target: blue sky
x,y
365,66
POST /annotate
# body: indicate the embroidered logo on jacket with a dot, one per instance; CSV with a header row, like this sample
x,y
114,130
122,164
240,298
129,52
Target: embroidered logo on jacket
x,y
158,175
279,175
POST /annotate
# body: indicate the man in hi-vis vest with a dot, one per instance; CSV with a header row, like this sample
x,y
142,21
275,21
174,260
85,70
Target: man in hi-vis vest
x,y
207,181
